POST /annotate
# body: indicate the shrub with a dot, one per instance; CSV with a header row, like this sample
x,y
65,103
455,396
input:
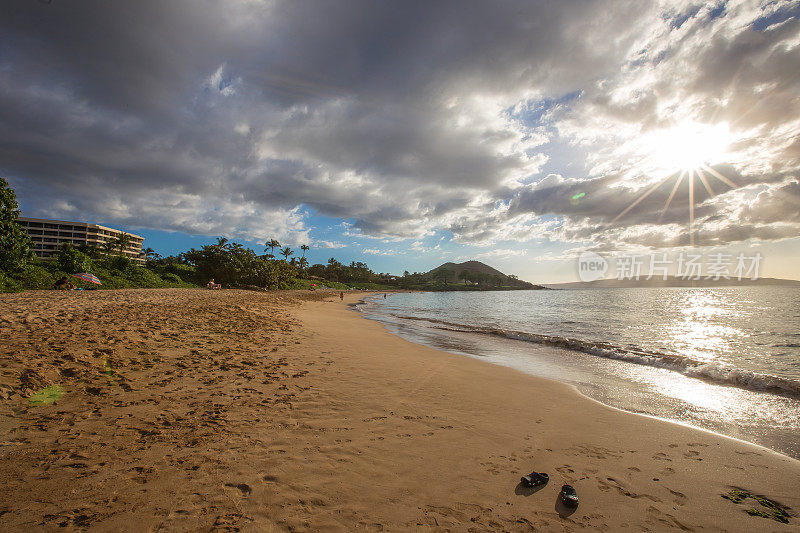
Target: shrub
x,y
38,276
142,277
232,265
119,262
9,284
72,261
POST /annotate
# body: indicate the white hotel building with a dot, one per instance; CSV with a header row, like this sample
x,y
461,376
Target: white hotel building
x,y
48,235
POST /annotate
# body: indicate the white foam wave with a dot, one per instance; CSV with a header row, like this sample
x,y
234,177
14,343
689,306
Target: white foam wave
x,y
687,366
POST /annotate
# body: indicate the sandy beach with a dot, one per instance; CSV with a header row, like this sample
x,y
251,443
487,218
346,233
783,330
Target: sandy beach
x,y
231,410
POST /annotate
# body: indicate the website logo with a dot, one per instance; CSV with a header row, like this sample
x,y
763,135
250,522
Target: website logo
x,y
591,266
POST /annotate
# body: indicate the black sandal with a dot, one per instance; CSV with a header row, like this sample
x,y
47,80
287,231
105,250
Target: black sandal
x,y
568,496
535,479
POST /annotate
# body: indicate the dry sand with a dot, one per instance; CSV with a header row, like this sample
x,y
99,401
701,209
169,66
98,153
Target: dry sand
x,y
232,410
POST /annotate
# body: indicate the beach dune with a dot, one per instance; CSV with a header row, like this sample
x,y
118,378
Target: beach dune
x,y
234,410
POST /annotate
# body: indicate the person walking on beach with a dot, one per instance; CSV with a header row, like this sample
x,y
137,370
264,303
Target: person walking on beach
x,y
384,295
341,295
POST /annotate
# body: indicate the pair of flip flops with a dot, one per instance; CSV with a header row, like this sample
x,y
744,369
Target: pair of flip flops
x,y
568,495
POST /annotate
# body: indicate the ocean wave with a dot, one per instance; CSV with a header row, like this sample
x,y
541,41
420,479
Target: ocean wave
x,y
711,372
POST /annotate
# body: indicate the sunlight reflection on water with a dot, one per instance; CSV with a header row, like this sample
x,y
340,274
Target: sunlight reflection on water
x,y
736,333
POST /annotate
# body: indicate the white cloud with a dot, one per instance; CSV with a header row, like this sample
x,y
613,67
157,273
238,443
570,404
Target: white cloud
x,y
329,244
222,121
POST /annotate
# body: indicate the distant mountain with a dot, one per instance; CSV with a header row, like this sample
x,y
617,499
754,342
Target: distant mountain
x,y
672,281
477,269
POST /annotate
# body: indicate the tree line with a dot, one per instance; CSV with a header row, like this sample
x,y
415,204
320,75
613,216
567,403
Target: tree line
x,y
228,263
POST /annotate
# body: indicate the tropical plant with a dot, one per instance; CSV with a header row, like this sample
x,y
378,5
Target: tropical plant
x,y
108,247
122,241
234,265
72,261
90,249
15,250
272,244
286,252
305,248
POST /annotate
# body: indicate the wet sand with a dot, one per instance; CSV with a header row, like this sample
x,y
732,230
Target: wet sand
x,y
234,410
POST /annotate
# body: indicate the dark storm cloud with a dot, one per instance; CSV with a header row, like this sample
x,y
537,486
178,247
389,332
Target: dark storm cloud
x,y
224,117
350,108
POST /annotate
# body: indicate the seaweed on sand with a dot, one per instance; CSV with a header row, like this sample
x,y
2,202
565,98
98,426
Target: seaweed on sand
x,y
46,395
776,512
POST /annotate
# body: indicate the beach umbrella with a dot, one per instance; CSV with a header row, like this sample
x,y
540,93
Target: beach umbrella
x,y
85,276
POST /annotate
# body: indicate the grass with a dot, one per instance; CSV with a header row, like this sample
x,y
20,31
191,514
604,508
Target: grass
x,y
46,396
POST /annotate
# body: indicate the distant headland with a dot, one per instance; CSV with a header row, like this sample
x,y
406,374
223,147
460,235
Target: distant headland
x,y
466,276
673,281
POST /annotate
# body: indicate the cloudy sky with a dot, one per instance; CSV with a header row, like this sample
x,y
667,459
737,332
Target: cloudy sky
x,y
406,134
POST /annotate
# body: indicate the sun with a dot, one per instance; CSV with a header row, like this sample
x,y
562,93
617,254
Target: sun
x,y
686,151
689,146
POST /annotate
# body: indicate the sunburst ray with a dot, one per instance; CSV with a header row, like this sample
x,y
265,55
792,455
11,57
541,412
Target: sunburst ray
x,y
705,183
639,199
671,195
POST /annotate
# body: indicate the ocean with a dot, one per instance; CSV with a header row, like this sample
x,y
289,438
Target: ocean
x,y
723,359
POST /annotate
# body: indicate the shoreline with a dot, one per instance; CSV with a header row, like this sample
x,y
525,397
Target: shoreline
x,y
286,411
653,390
353,306
728,445
576,390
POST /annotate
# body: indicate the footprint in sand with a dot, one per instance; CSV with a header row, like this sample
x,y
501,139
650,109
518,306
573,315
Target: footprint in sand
x,y
564,470
244,488
611,483
679,498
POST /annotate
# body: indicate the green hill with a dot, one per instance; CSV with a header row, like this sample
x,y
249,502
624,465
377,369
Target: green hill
x,y
477,274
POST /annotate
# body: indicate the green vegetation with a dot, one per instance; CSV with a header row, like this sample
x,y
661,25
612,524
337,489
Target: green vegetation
x,y
737,496
229,264
46,395
15,251
776,511
308,284
39,275
468,276
233,265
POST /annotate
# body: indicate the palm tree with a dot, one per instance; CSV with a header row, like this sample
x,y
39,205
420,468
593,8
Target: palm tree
x,y
108,247
272,244
222,242
305,248
286,252
149,253
122,241
90,249
303,263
